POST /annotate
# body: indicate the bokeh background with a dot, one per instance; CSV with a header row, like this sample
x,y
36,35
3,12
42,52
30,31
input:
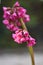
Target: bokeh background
x,y
35,26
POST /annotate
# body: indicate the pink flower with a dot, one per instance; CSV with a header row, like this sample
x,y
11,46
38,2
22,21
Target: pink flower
x,y
13,17
17,38
26,18
11,27
26,34
31,42
21,12
22,39
6,15
20,36
6,22
15,28
18,23
4,8
27,38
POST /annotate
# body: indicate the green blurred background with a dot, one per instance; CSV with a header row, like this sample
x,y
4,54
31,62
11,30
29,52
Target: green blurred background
x,y
35,26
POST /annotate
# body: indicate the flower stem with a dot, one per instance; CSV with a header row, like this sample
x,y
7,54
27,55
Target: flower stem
x,y
32,54
30,48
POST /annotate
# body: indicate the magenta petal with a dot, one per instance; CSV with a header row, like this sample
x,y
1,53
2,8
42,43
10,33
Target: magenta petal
x,y
27,18
13,36
22,39
6,22
25,33
17,4
31,42
23,10
15,28
6,15
27,38
4,8
8,27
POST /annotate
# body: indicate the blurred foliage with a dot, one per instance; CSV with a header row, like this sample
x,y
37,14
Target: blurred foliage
x,y
35,10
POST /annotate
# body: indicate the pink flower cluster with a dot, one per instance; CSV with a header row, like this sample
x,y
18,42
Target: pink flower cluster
x,y
11,20
12,15
21,36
